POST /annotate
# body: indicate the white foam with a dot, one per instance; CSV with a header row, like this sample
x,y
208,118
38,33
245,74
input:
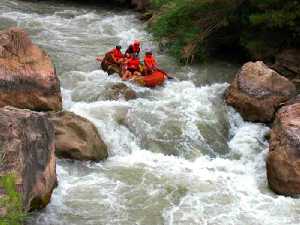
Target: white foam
x,y
164,165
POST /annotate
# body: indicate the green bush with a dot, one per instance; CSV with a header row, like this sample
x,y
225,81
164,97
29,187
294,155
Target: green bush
x,y
275,24
188,23
197,27
12,201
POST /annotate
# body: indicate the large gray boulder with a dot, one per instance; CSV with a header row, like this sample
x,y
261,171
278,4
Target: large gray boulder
x,y
77,138
258,91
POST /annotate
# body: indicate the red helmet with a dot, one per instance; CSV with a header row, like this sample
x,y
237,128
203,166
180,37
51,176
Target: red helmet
x,y
136,42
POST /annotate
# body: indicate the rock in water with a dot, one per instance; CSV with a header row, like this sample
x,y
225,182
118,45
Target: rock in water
x,y
283,162
27,74
119,90
77,138
258,91
27,151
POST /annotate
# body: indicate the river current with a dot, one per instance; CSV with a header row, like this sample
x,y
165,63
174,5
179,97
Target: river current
x,y
177,154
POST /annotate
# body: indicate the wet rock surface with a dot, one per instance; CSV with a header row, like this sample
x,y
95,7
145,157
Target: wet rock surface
x,y
119,90
258,91
27,74
283,161
77,138
27,151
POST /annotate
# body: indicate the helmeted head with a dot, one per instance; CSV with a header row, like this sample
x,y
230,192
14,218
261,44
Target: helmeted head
x,y
136,43
118,47
148,51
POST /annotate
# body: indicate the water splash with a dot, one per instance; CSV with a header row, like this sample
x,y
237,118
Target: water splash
x,y
178,154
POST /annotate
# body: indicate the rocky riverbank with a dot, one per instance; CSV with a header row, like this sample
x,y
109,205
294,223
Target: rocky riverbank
x,y
260,94
29,139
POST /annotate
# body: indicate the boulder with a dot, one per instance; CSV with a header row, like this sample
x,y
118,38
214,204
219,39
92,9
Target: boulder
x,y
27,74
119,90
27,152
283,162
77,138
258,91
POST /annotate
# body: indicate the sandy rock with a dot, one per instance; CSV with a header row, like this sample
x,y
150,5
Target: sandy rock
x,y
119,90
27,150
27,74
258,91
77,138
283,162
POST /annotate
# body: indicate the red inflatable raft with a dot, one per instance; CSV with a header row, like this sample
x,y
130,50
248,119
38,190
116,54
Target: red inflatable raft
x,y
152,80
156,78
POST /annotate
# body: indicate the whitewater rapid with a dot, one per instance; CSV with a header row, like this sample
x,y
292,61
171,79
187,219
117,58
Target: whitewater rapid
x,y
177,154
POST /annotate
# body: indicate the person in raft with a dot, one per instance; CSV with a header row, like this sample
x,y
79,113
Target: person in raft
x,y
134,48
132,67
116,56
150,64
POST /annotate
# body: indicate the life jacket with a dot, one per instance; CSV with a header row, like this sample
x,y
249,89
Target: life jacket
x,y
117,54
136,49
133,64
149,61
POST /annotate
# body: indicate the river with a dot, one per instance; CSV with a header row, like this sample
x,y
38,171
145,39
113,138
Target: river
x,y
177,154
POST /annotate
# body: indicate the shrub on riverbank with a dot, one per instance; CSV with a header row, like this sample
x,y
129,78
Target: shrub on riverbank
x,y
199,28
11,201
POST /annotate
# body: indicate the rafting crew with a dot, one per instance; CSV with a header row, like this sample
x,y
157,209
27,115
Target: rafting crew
x,y
129,65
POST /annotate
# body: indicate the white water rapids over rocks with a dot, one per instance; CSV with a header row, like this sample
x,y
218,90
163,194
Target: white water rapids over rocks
x,y
177,154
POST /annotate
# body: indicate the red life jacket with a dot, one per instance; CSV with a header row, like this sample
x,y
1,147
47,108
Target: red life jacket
x,y
133,49
133,64
136,49
149,61
117,54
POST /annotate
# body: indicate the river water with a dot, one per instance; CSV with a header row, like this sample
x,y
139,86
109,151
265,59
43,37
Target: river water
x,y
177,154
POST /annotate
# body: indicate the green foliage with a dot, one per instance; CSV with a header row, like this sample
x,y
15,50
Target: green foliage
x,y
187,23
272,24
259,26
159,3
12,201
275,14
